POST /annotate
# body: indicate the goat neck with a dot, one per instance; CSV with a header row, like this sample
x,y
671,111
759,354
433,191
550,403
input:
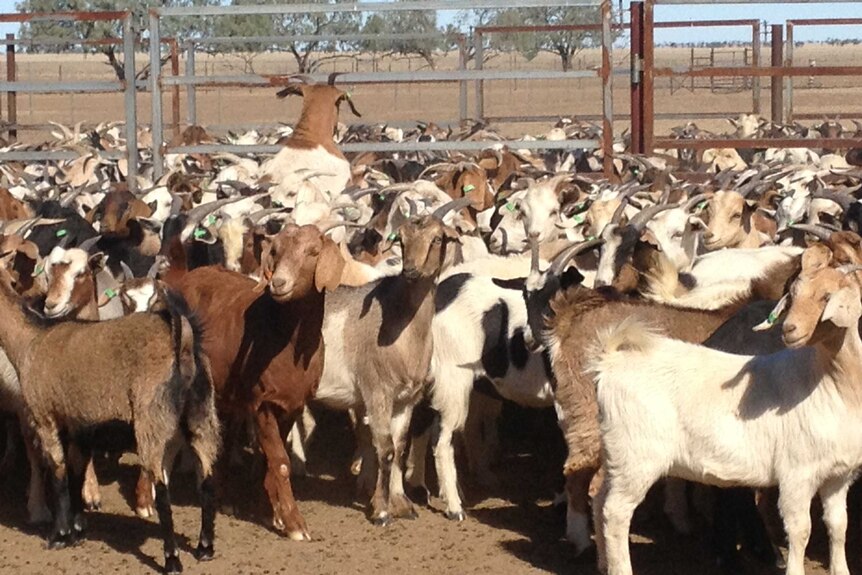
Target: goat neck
x,y
318,120
16,331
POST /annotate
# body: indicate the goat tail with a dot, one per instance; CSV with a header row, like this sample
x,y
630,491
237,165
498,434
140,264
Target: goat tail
x,y
614,345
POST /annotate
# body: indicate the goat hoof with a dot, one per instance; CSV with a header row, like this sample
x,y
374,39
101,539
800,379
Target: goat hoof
x,y
144,512
455,515
299,536
93,506
204,552
60,540
382,520
173,566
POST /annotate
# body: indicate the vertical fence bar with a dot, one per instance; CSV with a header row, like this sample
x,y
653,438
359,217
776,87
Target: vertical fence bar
x,y
175,90
191,94
607,90
130,94
777,81
755,63
462,85
648,87
637,50
788,62
11,97
156,93
479,55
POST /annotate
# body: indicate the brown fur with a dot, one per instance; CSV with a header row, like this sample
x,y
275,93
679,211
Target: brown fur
x,y
12,208
318,119
266,349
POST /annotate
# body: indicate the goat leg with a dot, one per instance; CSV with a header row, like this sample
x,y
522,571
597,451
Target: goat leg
x,y
285,513
144,496
399,503
79,460
173,565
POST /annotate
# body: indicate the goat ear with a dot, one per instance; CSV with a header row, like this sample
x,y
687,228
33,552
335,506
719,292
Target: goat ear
x,y
815,258
650,238
293,90
346,97
451,234
843,308
97,261
265,271
330,264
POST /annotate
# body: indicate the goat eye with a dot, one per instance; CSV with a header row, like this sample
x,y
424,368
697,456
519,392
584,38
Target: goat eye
x,y
736,217
437,240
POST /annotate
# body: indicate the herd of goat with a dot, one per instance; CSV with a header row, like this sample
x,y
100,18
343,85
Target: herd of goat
x,y
209,309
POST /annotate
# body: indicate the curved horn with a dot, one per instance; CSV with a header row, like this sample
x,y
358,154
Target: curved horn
x,y
333,77
411,205
200,212
816,231
334,225
618,213
88,244
259,215
154,269
70,197
458,204
640,220
563,258
128,274
843,200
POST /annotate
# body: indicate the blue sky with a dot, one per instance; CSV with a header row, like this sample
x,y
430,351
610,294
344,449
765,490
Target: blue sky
x,y
772,13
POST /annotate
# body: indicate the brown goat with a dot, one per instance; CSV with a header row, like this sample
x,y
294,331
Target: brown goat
x,y
12,208
266,349
115,210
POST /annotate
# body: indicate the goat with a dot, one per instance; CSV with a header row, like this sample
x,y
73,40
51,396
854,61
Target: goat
x,y
728,419
76,376
311,145
564,322
387,379
265,345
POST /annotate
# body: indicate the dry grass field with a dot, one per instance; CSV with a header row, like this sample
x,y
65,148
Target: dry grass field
x,y
438,101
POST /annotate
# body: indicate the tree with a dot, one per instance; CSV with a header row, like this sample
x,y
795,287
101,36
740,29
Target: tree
x,y
564,44
410,22
78,31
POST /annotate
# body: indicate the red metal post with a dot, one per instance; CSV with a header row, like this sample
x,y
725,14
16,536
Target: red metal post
x,y
777,81
637,51
607,90
12,97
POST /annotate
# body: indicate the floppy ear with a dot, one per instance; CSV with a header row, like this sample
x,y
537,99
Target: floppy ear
x,y
330,264
843,308
265,271
815,258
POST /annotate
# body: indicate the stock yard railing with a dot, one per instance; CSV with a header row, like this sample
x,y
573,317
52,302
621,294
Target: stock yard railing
x,y
644,72
462,75
127,87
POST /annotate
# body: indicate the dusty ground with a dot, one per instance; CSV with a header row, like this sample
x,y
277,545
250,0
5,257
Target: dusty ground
x,y
511,528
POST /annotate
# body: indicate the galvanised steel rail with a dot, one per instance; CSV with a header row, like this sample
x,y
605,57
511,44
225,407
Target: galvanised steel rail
x,y
126,87
190,80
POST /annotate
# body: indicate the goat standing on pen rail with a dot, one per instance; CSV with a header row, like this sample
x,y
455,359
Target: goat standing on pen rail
x,y
311,148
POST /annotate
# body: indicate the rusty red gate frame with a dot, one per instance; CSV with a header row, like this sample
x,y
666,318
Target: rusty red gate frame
x,y
644,73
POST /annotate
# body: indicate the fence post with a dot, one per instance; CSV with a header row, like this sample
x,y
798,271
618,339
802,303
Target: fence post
x,y
479,55
11,97
130,93
755,63
191,93
648,78
788,82
777,61
175,89
156,93
637,51
462,85
607,90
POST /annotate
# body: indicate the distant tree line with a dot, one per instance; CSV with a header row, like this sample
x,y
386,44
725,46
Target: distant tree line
x,y
310,55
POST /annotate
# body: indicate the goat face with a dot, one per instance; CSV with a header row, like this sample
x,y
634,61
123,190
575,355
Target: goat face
x,y
822,298
299,261
728,216
138,295
71,283
423,246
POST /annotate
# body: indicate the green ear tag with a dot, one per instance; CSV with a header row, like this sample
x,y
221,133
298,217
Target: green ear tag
x,y
110,294
60,233
277,204
791,222
590,238
510,206
211,220
392,237
38,271
578,218
381,197
199,233
771,319
702,205
468,188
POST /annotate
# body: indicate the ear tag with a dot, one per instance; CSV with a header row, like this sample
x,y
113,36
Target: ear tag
x,y
60,233
277,204
199,233
468,188
702,205
590,238
38,271
381,197
211,220
110,293
510,206
578,218
392,237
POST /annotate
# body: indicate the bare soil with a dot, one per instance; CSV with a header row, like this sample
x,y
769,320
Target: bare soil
x,y
511,528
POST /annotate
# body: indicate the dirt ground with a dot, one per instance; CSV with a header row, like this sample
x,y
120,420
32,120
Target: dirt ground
x,y
511,528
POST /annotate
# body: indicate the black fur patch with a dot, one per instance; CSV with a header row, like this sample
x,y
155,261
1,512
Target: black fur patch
x,y
518,349
486,387
517,284
448,290
495,352
687,281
